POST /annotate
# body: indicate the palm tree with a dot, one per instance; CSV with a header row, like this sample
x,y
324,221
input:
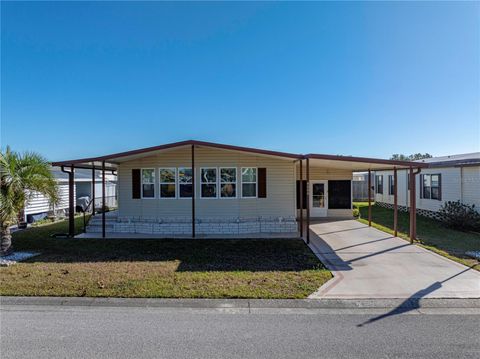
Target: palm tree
x,y
21,176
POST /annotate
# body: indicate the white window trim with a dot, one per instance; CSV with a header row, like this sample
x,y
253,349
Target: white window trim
x,y
215,183
179,184
220,182
154,182
256,182
160,182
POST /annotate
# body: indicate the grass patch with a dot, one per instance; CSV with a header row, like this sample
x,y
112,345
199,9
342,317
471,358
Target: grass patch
x,y
173,268
431,234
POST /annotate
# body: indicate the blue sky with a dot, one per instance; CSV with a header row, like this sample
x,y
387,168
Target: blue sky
x,y
365,79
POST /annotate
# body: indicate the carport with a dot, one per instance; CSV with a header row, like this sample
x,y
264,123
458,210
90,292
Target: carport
x,y
369,263
356,164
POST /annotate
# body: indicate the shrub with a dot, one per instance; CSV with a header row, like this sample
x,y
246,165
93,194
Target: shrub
x,y
356,212
455,214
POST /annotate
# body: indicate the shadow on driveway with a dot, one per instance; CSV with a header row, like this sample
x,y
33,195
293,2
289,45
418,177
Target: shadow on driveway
x,y
413,302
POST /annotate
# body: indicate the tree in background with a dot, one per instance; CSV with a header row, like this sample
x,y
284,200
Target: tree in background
x,y
21,176
414,157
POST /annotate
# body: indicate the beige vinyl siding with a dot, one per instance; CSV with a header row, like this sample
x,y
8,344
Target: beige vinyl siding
x,y
322,173
280,186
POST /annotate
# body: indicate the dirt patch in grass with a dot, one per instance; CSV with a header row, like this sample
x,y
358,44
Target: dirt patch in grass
x,y
174,268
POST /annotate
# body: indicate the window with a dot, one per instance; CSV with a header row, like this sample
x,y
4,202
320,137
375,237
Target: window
x,y
391,185
148,183
208,182
379,183
167,183
431,186
249,182
185,188
228,182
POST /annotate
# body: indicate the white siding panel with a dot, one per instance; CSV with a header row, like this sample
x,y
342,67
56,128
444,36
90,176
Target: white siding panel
x,y
471,185
452,187
38,203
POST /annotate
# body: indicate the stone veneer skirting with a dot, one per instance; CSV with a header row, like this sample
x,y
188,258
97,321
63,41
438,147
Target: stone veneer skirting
x,y
422,212
183,226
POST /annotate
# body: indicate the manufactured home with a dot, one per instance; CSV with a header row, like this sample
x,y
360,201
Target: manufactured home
x,y
447,178
195,188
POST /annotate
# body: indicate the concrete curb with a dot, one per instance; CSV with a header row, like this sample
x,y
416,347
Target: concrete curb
x,y
243,303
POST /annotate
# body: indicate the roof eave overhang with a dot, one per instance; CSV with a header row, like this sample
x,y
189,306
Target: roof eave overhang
x,y
113,158
364,162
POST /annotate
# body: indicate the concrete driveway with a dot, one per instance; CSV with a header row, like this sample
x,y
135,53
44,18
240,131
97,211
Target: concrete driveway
x,y
368,263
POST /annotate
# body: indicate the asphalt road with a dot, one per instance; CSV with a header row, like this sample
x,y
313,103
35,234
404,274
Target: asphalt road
x,y
29,331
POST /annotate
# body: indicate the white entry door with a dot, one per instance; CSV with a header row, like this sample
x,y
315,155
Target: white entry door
x,y
318,198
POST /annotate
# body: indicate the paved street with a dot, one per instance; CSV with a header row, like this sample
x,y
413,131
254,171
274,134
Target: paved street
x,y
51,331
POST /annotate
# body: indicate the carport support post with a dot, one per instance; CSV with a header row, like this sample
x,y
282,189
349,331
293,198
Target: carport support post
x,y
395,202
301,199
308,201
103,199
71,207
93,189
369,198
193,191
412,204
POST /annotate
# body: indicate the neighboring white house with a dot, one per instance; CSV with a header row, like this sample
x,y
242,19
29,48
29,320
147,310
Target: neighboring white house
x,y
448,178
231,190
38,206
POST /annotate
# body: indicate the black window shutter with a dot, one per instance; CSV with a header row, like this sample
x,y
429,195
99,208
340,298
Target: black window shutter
x,y
262,183
421,186
439,187
136,183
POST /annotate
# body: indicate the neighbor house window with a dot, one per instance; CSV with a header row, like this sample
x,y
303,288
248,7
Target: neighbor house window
x,y
379,183
391,185
249,182
185,188
431,186
167,183
208,182
228,182
148,183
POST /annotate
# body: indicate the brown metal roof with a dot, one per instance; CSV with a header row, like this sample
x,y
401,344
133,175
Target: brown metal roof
x,y
111,158
178,144
365,160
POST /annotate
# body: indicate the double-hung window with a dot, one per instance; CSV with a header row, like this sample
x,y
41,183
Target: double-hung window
x,y
148,183
228,182
208,182
249,182
379,183
391,185
167,183
185,187
432,186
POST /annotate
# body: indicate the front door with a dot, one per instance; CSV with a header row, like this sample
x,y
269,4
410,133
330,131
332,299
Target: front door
x,y
318,198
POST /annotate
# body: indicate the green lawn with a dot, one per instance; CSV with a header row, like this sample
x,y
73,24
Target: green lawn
x,y
181,268
431,234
